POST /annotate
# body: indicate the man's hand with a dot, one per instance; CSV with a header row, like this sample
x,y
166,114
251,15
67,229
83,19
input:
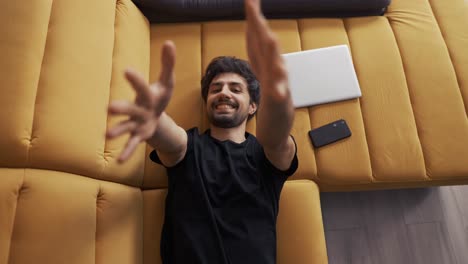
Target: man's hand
x,y
150,103
264,53
275,98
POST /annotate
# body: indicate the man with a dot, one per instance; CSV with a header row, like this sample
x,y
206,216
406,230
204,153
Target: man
x,y
224,185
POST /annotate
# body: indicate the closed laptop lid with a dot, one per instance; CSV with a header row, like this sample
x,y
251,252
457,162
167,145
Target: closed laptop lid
x,y
321,76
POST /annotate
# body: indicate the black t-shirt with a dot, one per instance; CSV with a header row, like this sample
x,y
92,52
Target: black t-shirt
x,y
222,203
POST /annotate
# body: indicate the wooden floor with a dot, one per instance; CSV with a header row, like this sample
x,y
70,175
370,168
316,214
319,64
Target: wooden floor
x,y
411,226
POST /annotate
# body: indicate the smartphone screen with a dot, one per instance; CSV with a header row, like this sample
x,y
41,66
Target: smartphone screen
x,y
329,133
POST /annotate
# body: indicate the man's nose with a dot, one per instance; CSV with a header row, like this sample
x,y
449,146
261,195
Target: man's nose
x,y
225,92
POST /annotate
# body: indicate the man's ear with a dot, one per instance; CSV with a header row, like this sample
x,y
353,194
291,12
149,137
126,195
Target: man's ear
x,y
252,108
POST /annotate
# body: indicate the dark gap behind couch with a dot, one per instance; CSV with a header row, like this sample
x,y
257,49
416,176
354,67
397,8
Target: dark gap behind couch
x,y
173,11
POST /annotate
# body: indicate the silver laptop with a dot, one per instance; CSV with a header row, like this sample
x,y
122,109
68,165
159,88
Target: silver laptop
x,y
321,76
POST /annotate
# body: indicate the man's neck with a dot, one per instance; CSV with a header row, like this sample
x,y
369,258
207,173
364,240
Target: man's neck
x,y
235,134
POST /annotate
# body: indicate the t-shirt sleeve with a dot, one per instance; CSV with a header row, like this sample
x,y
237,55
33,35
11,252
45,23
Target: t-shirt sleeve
x,y
275,177
288,172
154,157
190,138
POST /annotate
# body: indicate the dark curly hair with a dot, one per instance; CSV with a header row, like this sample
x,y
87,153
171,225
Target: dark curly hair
x,y
228,64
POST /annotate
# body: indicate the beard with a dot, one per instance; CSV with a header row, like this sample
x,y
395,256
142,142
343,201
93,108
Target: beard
x,y
231,120
227,121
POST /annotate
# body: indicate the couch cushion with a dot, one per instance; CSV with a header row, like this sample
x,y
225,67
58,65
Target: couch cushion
x,y
202,10
55,217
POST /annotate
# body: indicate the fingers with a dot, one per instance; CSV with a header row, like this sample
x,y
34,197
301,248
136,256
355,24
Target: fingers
x,y
121,128
262,44
132,144
126,108
257,25
168,54
162,100
138,82
254,50
255,19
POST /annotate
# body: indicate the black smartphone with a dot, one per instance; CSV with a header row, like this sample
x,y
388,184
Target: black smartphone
x,y
329,133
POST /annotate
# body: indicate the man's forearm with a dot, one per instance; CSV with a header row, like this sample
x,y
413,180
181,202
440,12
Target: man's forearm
x,y
169,138
274,120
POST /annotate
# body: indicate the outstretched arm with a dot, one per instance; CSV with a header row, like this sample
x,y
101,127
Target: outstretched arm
x,y
276,112
147,120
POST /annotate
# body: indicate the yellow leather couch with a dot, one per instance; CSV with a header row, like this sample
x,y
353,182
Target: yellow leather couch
x,y
63,198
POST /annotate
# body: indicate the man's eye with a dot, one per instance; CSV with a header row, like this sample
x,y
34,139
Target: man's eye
x,y
215,90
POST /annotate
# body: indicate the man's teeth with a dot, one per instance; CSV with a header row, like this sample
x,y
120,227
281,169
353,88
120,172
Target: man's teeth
x,y
224,106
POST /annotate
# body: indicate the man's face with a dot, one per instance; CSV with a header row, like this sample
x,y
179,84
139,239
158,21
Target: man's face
x,y
228,101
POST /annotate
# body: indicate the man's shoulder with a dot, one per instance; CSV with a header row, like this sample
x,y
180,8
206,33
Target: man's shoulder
x,y
252,140
193,130
196,137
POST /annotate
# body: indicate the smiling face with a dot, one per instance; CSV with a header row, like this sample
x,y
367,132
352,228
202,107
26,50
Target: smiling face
x,y
228,101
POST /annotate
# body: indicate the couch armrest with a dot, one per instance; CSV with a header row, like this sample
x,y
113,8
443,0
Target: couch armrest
x,y
301,237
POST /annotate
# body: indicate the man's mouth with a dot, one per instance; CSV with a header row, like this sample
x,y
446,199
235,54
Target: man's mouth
x,y
224,107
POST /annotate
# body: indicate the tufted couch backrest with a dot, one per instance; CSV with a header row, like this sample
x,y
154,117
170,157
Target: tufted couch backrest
x,y
409,127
